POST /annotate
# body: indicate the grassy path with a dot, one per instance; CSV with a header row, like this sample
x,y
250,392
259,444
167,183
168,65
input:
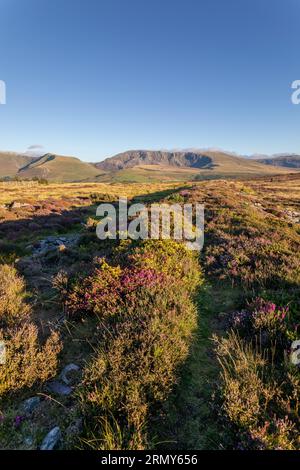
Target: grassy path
x,y
189,421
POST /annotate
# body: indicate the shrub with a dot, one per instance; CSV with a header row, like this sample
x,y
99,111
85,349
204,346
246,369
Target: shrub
x,y
243,389
144,332
260,398
13,307
263,318
135,365
103,197
269,317
27,362
276,434
97,293
168,256
109,289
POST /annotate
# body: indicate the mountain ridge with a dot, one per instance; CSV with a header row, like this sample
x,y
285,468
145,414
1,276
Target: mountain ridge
x,y
282,160
137,166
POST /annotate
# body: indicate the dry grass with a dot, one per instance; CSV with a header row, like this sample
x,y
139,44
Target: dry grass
x,y
26,361
32,191
12,295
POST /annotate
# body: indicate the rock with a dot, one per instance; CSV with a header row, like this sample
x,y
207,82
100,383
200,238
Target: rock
x,y
52,439
28,441
59,388
51,243
68,373
18,205
30,404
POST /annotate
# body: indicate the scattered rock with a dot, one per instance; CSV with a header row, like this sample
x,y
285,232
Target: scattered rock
x,y
293,216
59,388
28,441
69,373
30,404
17,205
52,439
55,243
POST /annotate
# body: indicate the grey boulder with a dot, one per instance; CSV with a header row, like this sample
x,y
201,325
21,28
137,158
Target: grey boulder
x,y
68,373
52,439
59,388
30,404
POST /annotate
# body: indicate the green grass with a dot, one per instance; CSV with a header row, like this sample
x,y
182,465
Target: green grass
x,y
190,419
59,168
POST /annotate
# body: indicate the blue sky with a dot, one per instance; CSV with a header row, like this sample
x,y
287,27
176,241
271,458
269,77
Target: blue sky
x,y
92,78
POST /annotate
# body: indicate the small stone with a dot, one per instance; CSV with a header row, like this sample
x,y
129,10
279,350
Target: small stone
x,y
52,439
59,388
30,404
28,441
18,205
67,373
15,205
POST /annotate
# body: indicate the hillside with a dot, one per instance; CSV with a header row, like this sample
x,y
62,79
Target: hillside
x,y
149,166
59,168
286,161
11,162
134,158
138,166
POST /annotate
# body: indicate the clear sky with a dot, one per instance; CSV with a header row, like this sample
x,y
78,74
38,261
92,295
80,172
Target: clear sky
x,y
95,77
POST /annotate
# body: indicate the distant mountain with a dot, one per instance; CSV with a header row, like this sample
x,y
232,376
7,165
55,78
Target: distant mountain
x,y
134,158
147,165
138,166
257,156
284,160
11,162
59,168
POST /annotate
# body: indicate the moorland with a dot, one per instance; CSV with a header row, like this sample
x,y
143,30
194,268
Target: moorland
x,y
103,353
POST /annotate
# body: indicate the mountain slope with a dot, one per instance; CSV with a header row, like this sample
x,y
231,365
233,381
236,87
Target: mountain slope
x,y
138,166
59,168
286,161
145,165
133,158
11,162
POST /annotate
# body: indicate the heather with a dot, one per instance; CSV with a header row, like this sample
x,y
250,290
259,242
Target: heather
x,y
253,251
144,330
27,361
167,348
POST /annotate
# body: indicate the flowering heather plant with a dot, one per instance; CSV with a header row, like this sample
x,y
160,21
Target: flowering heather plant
x,y
169,257
261,315
275,434
109,289
268,316
250,249
18,421
136,278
